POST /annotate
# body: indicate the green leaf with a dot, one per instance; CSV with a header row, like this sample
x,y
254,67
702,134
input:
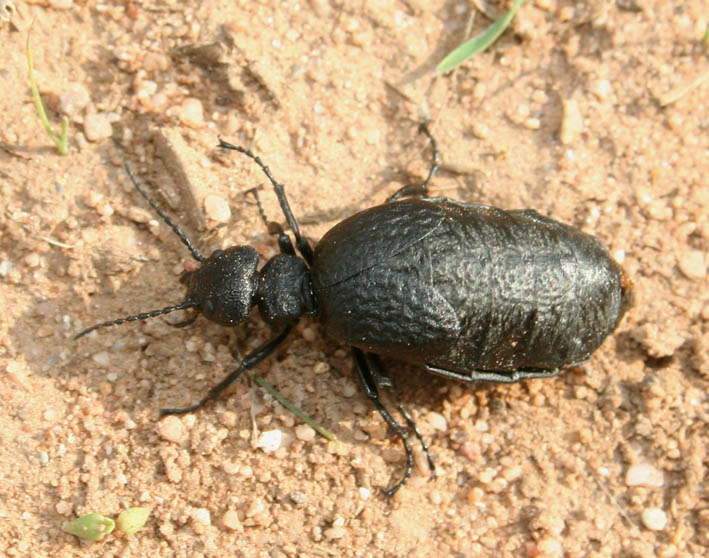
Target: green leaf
x,y
480,42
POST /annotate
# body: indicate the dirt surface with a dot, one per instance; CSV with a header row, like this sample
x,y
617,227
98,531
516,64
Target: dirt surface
x,y
594,113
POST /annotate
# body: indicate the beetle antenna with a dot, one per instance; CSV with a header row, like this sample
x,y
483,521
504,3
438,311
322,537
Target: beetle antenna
x,y
302,244
143,316
165,217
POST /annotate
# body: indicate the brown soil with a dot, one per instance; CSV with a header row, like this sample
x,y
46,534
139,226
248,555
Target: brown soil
x,y
594,113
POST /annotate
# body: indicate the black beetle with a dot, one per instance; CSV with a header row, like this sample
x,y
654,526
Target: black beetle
x,y
470,292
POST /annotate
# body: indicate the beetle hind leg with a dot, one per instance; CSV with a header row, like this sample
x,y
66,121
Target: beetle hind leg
x,y
372,375
421,190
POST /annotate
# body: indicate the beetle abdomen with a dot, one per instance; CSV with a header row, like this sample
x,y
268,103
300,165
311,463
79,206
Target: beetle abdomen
x,y
466,287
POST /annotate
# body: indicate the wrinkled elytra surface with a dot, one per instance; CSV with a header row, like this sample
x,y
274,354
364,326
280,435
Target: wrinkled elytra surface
x,y
466,287
470,292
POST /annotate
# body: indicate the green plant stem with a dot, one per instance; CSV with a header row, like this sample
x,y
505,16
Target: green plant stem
x,y
62,141
293,409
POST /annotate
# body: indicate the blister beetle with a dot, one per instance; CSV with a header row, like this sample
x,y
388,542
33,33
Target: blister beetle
x,y
469,292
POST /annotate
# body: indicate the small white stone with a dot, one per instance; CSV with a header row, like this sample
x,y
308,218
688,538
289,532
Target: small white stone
x,y
304,432
230,520
602,89
335,533
270,440
172,429
191,113
102,358
654,519
437,421
201,515
572,122
692,264
73,99
97,126
217,208
644,474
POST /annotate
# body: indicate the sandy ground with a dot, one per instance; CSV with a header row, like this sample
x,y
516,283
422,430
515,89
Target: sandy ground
x,y
594,113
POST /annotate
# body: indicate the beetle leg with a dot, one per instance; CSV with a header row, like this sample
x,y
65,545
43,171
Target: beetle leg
x,y
249,361
375,367
424,446
303,246
362,364
284,243
501,376
421,190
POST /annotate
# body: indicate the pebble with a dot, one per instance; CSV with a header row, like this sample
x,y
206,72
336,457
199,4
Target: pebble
x,y
64,508
304,432
298,497
172,429
437,421
270,440
201,515
602,89
97,126
217,208
644,474
654,519
155,62
480,130
73,99
5,268
572,122
230,520
102,358
550,548
335,533
190,113
256,507
692,264
656,342
532,123
349,390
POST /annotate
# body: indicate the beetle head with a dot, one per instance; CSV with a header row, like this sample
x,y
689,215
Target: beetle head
x,y
224,286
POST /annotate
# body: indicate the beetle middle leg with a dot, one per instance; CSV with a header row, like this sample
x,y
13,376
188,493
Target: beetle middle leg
x,y
421,190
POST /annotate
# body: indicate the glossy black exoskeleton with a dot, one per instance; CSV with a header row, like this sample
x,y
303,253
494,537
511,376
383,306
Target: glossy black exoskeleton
x,y
467,291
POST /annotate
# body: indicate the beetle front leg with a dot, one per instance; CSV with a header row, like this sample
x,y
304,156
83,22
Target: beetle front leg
x,y
249,361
